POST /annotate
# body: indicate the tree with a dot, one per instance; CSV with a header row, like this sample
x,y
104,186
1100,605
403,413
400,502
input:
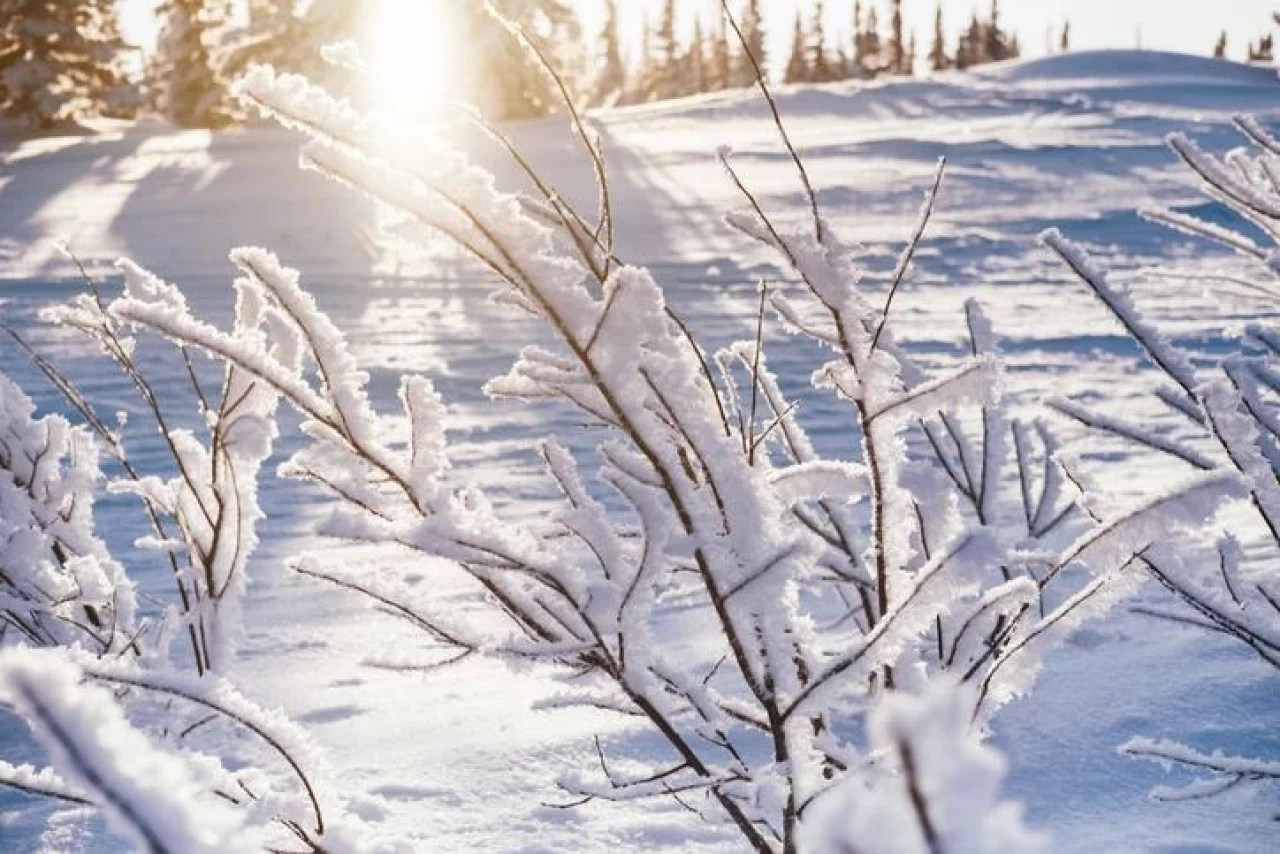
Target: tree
x,y
505,79
996,45
938,59
611,83
697,72
897,45
720,70
1220,48
1064,43
873,49
61,60
820,67
663,78
753,36
797,70
188,89
969,48
1264,51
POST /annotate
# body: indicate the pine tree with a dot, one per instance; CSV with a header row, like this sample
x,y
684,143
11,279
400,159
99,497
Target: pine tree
x,y
611,84
1220,49
61,60
188,90
752,24
938,59
797,70
997,45
720,72
858,59
663,79
872,48
970,50
897,46
505,81
695,61
820,68
1064,43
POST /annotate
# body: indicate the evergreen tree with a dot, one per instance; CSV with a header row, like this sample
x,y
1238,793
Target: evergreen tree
x,y
938,59
695,61
1220,49
797,70
752,24
970,48
187,87
910,68
505,81
820,67
720,71
663,79
61,60
858,59
897,46
1064,43
872,48
1263,51
611,84
997,45
274,34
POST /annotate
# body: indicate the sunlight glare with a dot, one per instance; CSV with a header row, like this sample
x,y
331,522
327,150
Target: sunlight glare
x,y
411,61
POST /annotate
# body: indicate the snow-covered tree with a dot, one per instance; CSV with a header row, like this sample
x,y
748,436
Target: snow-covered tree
x,y
184,75
62,60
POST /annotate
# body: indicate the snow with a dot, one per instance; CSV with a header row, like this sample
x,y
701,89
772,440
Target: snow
x,y
457,758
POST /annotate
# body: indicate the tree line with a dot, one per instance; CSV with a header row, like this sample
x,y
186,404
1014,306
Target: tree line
x,y
61,60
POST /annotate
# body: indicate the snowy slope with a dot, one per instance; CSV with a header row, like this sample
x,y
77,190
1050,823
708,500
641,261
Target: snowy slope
x,y
457,760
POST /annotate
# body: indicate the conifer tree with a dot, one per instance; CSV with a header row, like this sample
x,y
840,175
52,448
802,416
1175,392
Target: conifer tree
x,y
752,25
720,71
187,86
611,83
997,45
820,67
857,60
938,59
506,82
897,45
61,60
695,61
797,70
872,49
1064,43
1220,48
664,78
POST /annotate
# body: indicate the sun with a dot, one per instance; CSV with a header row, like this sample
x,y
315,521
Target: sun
x,y
412,58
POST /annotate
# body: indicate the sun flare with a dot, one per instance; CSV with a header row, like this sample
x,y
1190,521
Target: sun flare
x,y
412,61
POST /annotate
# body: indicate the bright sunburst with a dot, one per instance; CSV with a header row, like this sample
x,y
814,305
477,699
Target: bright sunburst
x,y
412,58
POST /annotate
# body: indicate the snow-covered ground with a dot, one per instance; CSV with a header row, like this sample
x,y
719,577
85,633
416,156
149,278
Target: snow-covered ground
x,y
458,760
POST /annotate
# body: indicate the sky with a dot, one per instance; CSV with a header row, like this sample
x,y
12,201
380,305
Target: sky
x,y
1190,26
